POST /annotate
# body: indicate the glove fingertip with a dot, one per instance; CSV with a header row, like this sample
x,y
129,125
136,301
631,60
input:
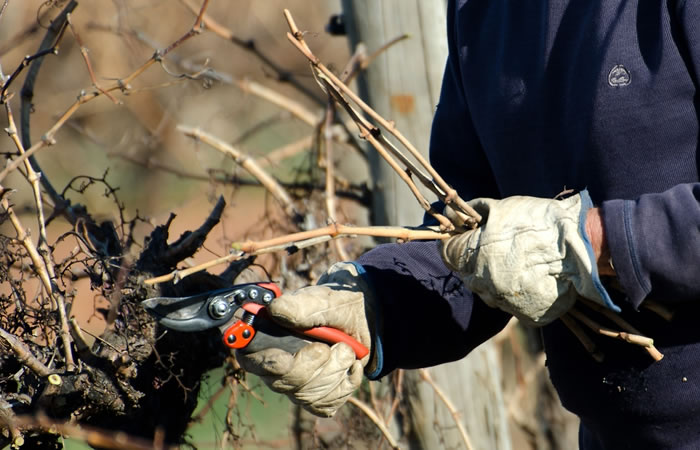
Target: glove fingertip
x,y
324,412
268,362
285,309
356,373
344,353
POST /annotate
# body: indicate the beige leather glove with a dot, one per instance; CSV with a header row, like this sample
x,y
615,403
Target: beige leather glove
x,y
531,258
319,377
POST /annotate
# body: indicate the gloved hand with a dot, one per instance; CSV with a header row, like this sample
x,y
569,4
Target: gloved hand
x,y
531,257
320,377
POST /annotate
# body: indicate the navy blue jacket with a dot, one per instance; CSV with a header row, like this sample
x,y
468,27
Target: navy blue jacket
x,y
539,96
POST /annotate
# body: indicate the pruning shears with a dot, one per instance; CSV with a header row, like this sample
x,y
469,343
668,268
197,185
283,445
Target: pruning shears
x,y
239,312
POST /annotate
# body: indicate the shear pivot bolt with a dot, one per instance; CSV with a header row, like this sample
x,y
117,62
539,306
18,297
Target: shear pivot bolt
x,y
253,294
231,339
218,309
246,334
267,298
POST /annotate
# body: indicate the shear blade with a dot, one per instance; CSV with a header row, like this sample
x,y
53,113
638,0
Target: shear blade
x,y
175,308
184,313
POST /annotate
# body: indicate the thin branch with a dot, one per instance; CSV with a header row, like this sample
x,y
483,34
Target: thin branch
x,y
261,127
24,354
32,176
26,242
248,164
341,131
450,197
662,310
50,42
158,55
209,405
336,230
376,420
196,29
295,108
369,133
94,437
282,75
78,337
330,178
582,337
47,265
284,152
425,375
4,5
177,275
622,323
354,192
7,418
357,193
88,64
40,266
365,62
635,339
25,62
295,241
398,394
84,97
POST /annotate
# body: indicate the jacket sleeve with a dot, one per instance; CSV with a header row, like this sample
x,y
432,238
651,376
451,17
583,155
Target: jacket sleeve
x,y
654,240
655,244
428,316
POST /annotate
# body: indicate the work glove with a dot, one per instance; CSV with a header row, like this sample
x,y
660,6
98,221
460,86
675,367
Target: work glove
x,y
320,377
531,257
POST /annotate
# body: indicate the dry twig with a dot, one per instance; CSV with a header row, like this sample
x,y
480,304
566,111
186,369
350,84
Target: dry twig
x,y
436,184
248,45
295,108
88,64
425,375
375,419
296,241
285,151
51,40
123,85
93,436
583,338
41,257
635,339
4,5
24,355
330,176
248,164
632,334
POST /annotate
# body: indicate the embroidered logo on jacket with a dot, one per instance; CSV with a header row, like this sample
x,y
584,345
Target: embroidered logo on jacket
x,y
619,76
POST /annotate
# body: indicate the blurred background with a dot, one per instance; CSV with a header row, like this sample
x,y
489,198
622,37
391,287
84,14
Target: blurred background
x,y
136,141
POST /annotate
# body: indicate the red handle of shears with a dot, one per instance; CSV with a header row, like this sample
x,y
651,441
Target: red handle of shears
x,y
334,335
243,333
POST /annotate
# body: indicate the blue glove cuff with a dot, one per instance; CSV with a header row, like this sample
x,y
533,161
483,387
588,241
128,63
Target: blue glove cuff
x,y
586,204
377,349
